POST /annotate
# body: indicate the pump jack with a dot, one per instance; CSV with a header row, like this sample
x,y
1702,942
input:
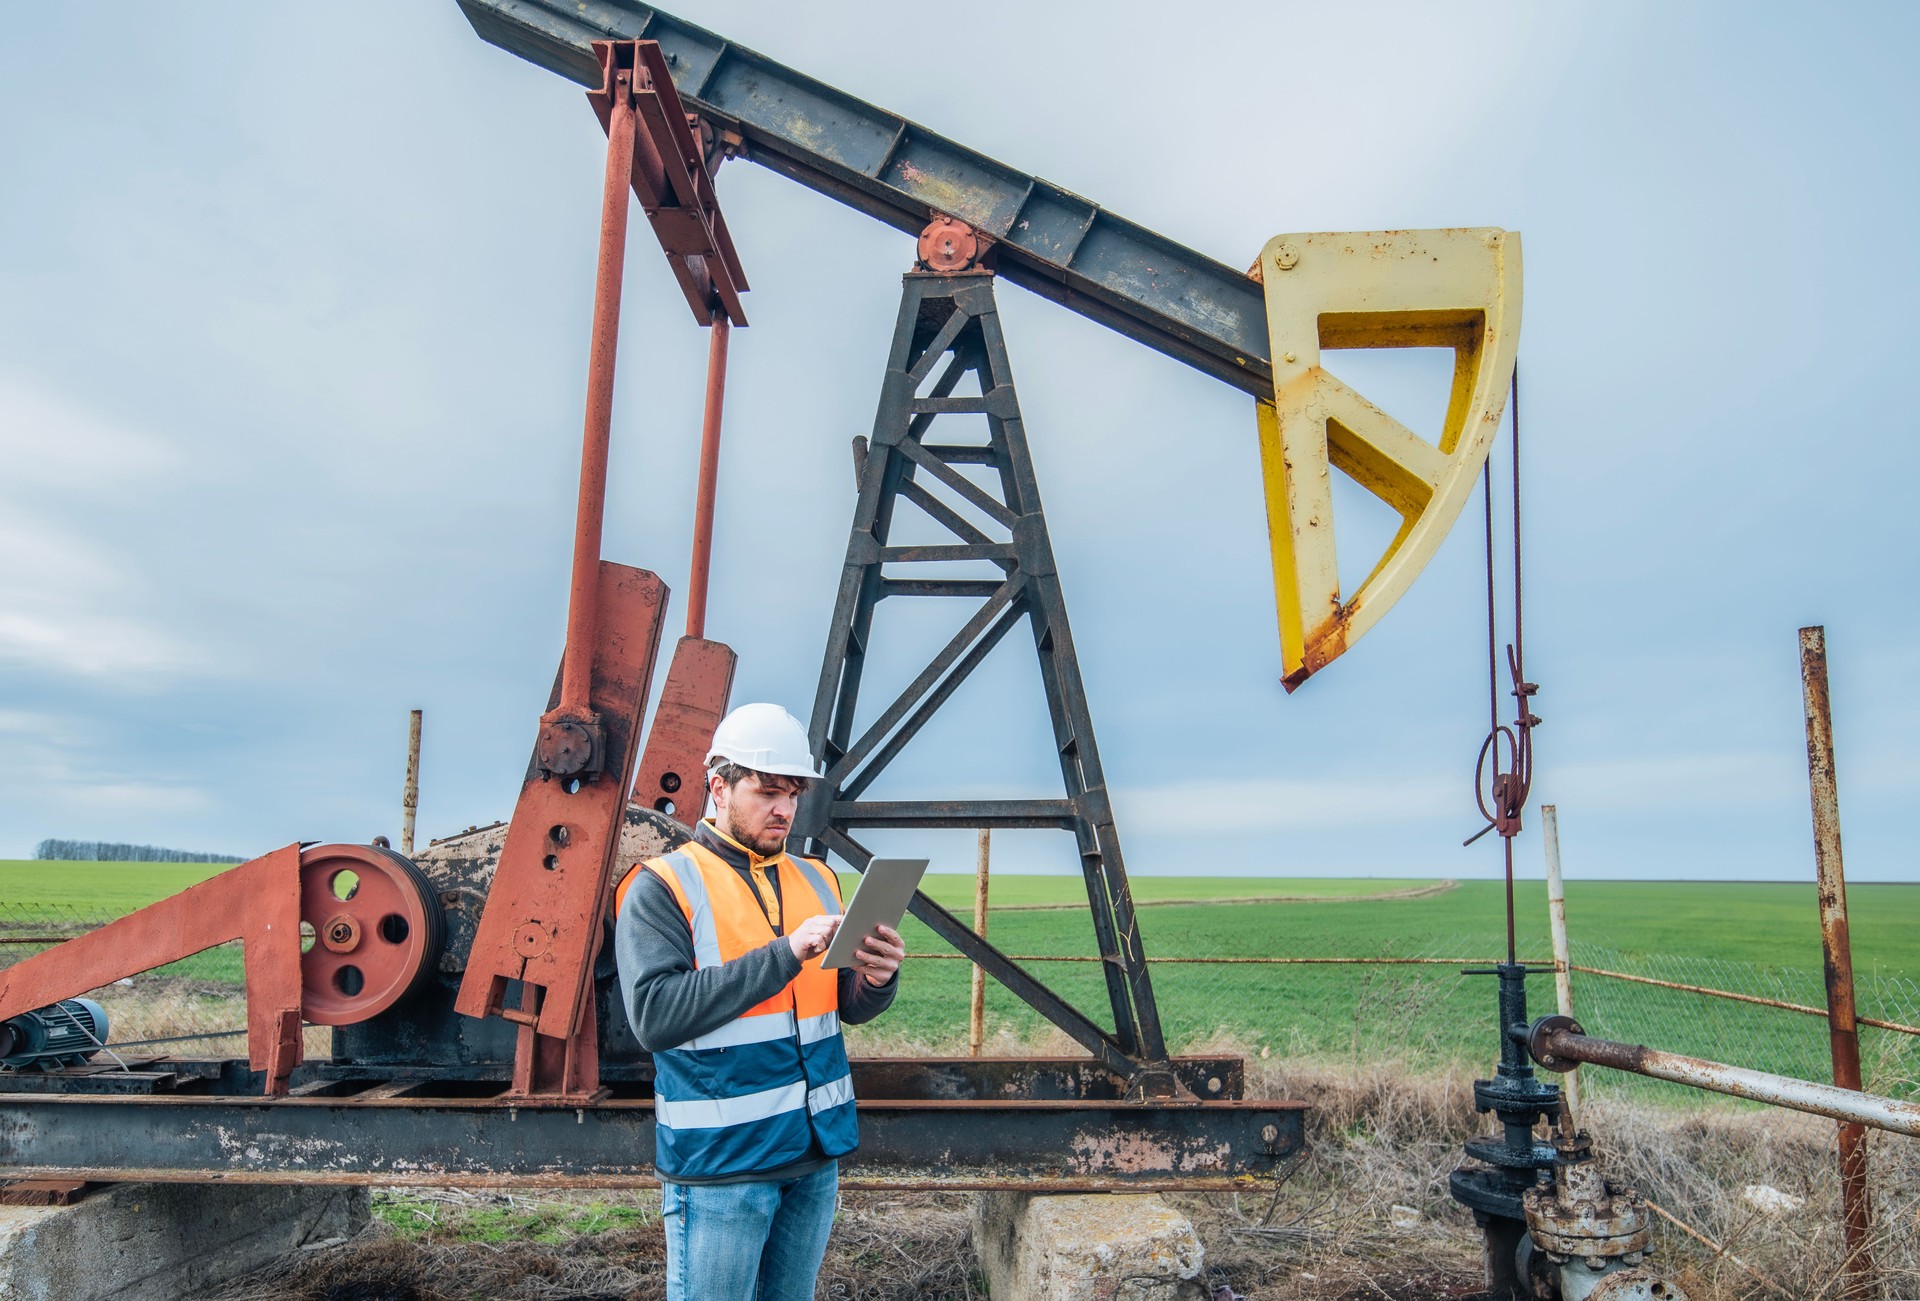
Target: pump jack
x,y
478,1038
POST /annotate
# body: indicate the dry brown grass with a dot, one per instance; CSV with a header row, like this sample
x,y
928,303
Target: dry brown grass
x,y
1379,1137
1383,1133
883,1249
167,1007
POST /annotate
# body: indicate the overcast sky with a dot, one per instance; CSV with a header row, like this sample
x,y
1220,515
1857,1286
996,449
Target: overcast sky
x,y
293,312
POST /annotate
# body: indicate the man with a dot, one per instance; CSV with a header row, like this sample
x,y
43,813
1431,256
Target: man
x,y
718,946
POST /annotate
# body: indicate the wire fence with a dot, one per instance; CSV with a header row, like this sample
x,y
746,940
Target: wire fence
x,y
1409,1001
199,1002
1420,1005
1766,1017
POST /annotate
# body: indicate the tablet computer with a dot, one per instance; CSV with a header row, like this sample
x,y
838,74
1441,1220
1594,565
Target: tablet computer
x,y
885,889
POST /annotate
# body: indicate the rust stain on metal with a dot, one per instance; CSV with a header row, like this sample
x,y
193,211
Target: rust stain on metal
x,y
44,1192
930,1177
1325,643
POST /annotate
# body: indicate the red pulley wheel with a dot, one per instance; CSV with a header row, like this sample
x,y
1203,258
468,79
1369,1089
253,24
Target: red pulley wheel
x,y
370,929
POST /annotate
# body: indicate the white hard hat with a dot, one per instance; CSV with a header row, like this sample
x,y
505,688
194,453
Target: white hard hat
x,y
765,738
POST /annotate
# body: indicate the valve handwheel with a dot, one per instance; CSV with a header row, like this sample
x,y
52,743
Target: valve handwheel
x,y
370,928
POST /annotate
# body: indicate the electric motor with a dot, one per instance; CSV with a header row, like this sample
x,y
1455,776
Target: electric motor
x,y
65,1034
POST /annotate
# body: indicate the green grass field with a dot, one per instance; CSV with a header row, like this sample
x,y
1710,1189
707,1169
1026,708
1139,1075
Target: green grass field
x,y
1756,938
40,895
954,890
33,890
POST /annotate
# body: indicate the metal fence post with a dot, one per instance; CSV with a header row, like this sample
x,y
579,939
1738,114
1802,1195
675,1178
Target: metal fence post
x,y
1557,922
410,796
1842,1030
977,1015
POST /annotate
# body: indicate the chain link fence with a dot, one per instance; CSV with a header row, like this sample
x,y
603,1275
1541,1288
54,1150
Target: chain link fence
x,y
197,1005
1408,1001
1766,1017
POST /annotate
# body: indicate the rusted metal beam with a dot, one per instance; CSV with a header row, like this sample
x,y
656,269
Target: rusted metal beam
x,y
498,1141
930,1079
1558,1044
1837,950
44,1192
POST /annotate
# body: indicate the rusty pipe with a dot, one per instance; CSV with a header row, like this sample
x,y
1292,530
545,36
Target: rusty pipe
x,y
1557,1043
410,793
709,474
576,675
1837,948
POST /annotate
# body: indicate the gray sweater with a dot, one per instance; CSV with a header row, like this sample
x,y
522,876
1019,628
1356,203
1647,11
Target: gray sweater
x,y
670,1001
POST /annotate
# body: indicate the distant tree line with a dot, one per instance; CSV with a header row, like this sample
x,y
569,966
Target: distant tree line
x,y
101,851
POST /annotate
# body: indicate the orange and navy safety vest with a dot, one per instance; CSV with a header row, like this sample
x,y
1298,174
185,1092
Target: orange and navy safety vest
x,y
762,1090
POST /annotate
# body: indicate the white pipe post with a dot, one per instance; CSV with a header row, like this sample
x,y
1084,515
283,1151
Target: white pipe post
x,y
1557,922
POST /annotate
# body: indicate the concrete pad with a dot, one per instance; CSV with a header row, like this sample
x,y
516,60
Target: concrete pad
x,y
1097,1247
164,1242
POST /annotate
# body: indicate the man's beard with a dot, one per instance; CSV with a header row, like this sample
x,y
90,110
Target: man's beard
x,y
767,845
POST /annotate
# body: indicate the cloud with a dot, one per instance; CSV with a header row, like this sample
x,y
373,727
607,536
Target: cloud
x,y
1291,804
114,799
58,757
49,440
70,585
66,606
1702,783
1717,780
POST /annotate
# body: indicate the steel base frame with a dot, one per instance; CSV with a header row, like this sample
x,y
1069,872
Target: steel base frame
x,y
964,1123
948,329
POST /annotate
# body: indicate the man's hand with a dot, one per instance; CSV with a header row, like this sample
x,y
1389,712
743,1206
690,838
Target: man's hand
x,y
812,936
879,955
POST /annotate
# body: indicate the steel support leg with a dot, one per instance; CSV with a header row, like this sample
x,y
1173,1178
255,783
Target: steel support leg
x,y
948,329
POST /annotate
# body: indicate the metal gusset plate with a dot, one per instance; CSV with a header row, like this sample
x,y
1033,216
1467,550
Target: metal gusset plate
x,y
673,766
541,924
1456,289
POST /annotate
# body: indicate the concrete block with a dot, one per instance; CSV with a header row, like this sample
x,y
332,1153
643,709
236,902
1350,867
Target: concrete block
x,y
1097,1247
164,1242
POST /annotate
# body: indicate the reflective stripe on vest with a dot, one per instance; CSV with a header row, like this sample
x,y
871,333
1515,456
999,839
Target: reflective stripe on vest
x,y
772,1085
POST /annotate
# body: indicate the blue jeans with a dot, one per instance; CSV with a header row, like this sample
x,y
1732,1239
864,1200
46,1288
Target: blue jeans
x,y
748,1242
